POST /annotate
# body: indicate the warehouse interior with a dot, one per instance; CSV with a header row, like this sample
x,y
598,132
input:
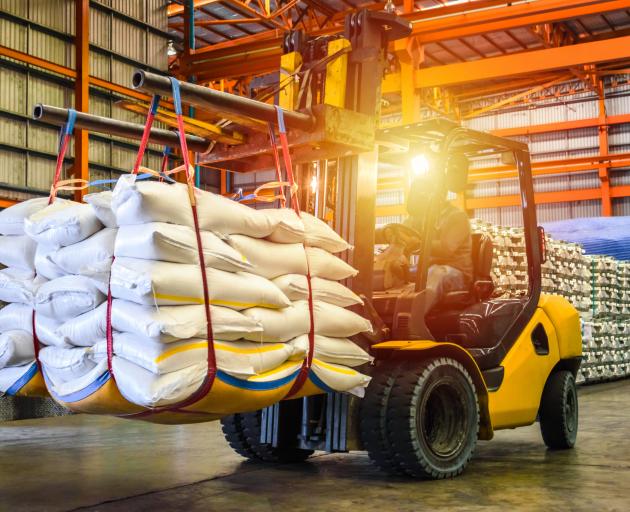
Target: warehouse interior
x,y
318,254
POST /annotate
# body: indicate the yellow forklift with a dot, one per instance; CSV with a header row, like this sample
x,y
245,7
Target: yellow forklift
x,y
490,362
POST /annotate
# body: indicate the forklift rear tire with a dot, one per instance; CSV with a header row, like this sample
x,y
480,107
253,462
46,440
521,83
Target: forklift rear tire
x,y
242,432
373,418
433,418
559,411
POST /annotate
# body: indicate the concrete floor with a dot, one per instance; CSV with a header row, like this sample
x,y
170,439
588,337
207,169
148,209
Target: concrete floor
x,y
105,464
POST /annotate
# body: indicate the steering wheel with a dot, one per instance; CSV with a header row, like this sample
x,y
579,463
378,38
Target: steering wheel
x,y
403,235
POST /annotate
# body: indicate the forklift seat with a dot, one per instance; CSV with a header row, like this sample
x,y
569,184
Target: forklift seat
x,y
482,286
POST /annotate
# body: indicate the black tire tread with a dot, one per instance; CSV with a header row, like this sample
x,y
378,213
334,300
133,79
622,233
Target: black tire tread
x,y
373,418
251,430
553,421
232,427
401,419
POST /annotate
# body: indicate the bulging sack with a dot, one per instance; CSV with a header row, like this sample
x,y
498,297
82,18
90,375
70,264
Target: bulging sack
x,y
91,257
165,284
16,348
271,259
140,202
312,231
12,218
177,244
295,287
101,203
161,324
18,285
17,251
288,323
68,364
62,223
46,330
341,378
16,316
44,265
239,358
333,350
66,297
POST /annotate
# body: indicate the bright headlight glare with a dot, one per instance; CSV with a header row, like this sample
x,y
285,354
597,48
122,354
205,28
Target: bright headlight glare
x,y
420,165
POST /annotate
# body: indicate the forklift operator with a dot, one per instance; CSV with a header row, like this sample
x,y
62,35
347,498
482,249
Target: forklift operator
x,y
450,264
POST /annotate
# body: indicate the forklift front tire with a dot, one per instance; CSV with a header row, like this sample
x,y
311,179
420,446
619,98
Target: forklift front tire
x,y
433,418
559,411
242,432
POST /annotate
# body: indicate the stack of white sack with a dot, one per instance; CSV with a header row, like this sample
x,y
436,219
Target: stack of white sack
x,y
257,289
18,285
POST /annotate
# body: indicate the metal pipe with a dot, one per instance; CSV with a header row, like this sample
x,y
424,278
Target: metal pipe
x,y
220,102
59,116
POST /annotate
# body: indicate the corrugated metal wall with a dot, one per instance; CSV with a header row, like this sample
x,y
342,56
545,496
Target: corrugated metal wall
x,y
124,35
556,146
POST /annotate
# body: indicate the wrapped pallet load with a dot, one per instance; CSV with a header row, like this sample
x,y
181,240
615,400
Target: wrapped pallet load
x,y
145,352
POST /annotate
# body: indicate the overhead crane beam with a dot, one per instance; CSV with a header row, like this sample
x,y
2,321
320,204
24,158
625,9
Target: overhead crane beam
x,y
535,61
511,16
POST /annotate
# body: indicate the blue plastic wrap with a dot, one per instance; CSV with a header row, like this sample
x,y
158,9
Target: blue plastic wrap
x,y
609,236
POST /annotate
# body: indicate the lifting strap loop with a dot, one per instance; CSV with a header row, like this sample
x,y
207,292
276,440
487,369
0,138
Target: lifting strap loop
x,y
206,386
147,132
64,139
302,376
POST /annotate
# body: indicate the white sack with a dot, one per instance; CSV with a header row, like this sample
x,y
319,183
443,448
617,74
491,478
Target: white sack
x,y
176,244
156,282
147,389
341,378
314,232
18,251
12,218
239,358
271,260
46,329
16,348
67,297
62,388
18,285
91,257
67,364
163,324
16,316
332,350
288,323
10,375
295,287
44,265
139,202
62,223
101,203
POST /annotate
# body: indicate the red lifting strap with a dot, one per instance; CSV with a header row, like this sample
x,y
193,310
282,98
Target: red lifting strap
x,y
206,386
295,204
64,139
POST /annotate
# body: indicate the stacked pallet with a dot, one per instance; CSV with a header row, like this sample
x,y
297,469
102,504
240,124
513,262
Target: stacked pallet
x,y
597,286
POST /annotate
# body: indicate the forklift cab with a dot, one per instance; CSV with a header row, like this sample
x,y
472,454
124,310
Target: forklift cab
x,y
473,318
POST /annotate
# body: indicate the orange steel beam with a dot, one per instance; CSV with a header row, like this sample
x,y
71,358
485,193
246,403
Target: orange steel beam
x,y
588,194
561,126
588,163
80,169
524,63
512,16
604,167
5,203
176,9
70,73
